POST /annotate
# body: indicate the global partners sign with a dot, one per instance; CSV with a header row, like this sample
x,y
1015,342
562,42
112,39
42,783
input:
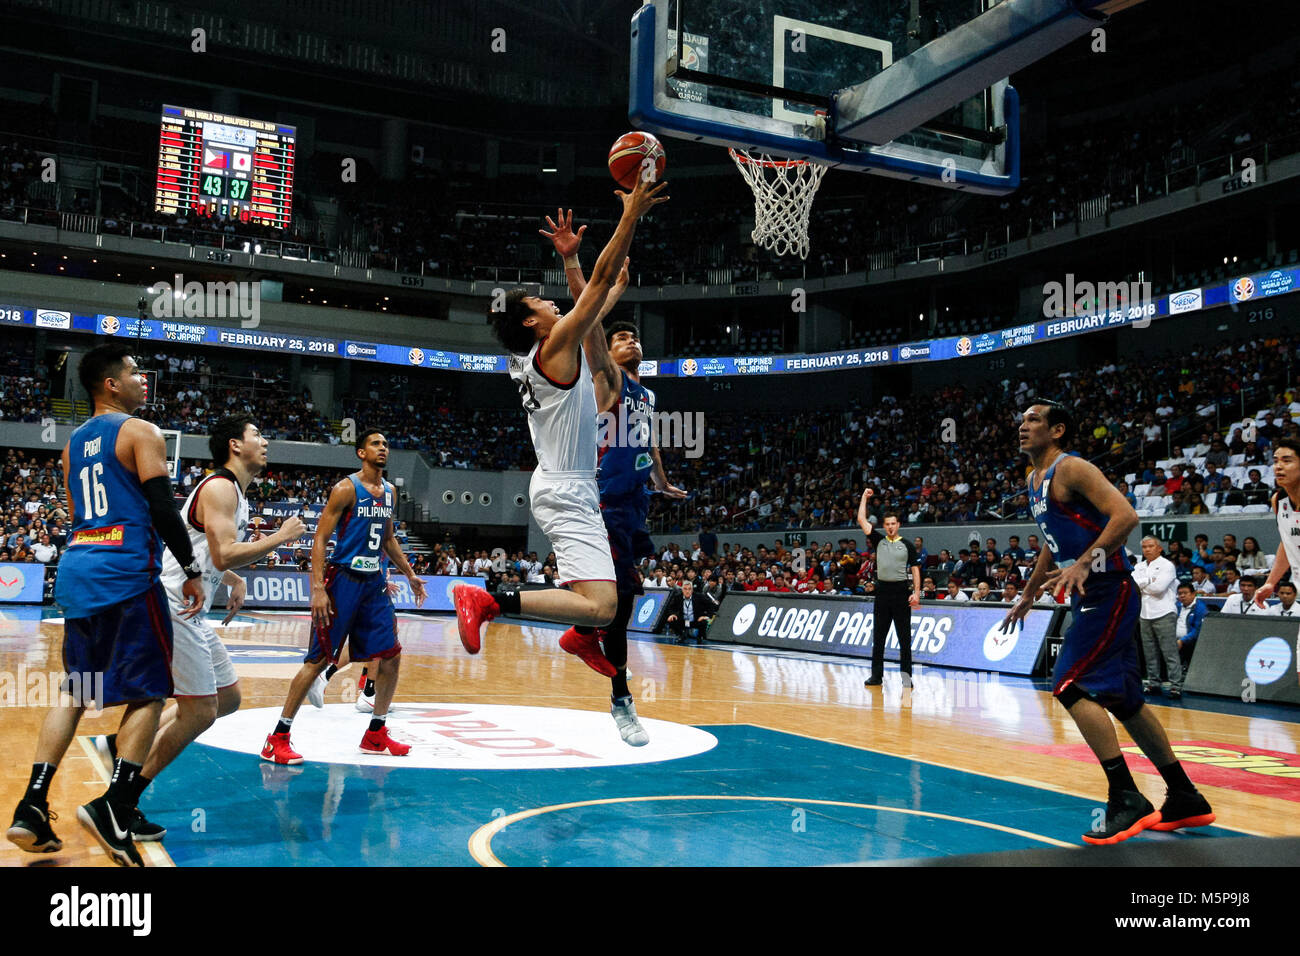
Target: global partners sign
x,y
958,636
292,590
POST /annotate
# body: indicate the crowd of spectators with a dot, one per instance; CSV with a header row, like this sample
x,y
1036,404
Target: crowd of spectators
x,y
35,517
807,469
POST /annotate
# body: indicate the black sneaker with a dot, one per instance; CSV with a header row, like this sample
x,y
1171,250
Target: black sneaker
x,y
103,824
31,830
875,680
143,830
1128,813
1184,808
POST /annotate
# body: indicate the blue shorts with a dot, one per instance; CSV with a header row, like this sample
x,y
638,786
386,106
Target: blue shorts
x,y
130,644
629,542
1099,655
363,616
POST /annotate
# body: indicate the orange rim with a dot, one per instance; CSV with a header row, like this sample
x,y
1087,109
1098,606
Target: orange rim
x,y
771,163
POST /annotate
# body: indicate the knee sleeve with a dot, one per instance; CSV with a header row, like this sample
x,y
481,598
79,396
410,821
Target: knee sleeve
x,y
1126,709
1070,696
616,632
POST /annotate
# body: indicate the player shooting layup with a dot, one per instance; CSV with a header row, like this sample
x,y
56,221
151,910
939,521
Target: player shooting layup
x,y
614,355
1084,520
555,385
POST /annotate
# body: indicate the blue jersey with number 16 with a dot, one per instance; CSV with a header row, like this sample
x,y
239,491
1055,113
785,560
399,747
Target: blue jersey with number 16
x,y
113,552
363,529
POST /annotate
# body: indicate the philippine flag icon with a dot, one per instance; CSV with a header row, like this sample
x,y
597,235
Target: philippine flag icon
x,y
215,158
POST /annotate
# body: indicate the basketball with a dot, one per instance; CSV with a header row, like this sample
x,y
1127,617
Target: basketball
x,y
628,155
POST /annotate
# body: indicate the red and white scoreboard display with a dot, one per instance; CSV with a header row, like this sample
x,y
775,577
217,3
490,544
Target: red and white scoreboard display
x,y
219,165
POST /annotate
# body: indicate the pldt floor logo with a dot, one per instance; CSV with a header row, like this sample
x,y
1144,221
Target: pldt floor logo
x,y
999,644
460,736
11,582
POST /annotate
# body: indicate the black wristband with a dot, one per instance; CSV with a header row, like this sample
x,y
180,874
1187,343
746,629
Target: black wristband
x,y
167,521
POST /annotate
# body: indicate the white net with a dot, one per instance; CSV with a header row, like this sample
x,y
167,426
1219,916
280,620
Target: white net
x,y
783,198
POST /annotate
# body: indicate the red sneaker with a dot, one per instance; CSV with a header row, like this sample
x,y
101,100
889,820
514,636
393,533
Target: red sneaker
x,y
474,608
587,647
277,750
378,742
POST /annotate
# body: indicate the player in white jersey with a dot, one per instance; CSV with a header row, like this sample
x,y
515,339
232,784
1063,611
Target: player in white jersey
x,y
1286,506
216,516
548,366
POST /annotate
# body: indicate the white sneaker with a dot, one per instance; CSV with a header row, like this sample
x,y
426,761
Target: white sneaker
x,y
629,728
316,692
365,704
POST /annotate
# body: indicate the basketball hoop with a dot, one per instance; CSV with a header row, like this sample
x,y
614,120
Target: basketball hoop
x,y
783,198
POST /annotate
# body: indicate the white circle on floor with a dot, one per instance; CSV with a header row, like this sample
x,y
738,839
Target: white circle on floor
x,y
464,737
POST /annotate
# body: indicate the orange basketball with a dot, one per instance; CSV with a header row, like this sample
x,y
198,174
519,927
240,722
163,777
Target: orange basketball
x,y
631,153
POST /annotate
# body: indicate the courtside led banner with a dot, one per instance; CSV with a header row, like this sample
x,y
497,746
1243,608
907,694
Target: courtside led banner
x,y
292,590
1247,657
942,634
22,583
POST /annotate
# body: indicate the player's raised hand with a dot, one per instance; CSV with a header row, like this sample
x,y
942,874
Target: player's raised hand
x,y
562,236
643,198
193,591
623,278
866,494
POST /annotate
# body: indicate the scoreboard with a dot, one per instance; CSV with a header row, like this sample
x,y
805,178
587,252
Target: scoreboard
x,y
225,166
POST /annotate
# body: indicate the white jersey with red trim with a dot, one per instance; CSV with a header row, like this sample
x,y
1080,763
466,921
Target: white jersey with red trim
x,y
561,417
1288,528
173,578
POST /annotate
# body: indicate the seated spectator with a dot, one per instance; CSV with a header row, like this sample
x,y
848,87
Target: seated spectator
x,y
1243,601
928,590
1286,606
1179,505
984,593
954,593
1202,583
946,563
44,551
689,613
1254,491
1252,561
1008,594
1196,504
1014,551
1231,579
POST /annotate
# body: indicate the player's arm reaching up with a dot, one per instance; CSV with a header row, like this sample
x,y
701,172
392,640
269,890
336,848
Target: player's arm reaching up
x,y
605,373
560,349
342,497
863,521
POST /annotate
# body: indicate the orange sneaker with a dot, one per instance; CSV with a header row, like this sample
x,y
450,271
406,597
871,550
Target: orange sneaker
x,y
378,742
587,648
277,750
474,608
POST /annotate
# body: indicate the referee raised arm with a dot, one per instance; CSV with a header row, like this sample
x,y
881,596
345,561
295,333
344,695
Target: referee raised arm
x,y
897,563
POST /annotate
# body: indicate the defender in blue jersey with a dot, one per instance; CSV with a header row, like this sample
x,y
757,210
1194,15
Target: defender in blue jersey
x,y
349,597
1085,521
117,643
627,460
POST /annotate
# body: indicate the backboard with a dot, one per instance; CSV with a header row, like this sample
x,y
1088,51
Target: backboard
x,y
798,79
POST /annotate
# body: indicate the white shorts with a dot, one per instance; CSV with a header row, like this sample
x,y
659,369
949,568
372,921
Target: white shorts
x,y
200,662
567,509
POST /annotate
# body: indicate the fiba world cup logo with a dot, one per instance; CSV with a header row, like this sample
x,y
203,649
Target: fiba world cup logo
x,y
415,356
1243,288
689,367
110,325
963,346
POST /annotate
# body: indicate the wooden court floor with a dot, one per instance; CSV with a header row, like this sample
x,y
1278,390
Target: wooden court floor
x,y
743,741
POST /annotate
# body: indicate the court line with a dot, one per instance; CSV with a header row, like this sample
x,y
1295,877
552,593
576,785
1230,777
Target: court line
x,y
153,850
480,841
947,766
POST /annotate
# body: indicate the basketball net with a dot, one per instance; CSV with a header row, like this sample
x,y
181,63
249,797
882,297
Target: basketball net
x,y
783,198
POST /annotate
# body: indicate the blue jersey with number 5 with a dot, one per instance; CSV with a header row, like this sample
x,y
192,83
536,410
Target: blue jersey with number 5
x,y
113,552
363,529
1070,529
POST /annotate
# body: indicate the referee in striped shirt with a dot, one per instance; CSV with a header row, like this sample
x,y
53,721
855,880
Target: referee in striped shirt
x,y
897,563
